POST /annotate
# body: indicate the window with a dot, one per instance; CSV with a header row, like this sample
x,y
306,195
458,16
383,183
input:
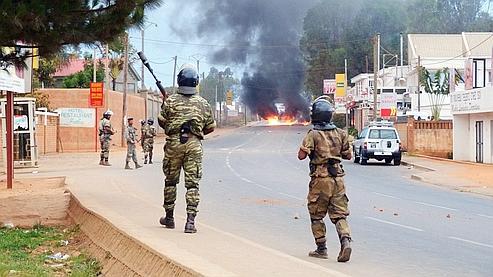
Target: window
x,y
382,134
363,133
400,91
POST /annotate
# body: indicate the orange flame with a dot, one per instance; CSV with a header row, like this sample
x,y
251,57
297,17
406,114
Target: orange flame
x,y
285,121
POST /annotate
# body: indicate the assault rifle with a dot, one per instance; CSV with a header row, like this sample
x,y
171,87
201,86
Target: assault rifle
x,y
158,83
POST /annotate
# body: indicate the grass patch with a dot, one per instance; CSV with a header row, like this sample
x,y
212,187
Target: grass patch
x,y
24,252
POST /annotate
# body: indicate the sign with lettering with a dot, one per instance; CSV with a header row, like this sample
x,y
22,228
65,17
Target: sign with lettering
x,y
77,117
472,101
96,95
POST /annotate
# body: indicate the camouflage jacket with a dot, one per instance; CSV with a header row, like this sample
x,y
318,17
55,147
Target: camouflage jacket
x,y
148,133
105,129
178,109
131,135
323,146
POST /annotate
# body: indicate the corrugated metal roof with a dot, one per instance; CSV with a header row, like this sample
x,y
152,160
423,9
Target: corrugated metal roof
x,y
437,45
480,44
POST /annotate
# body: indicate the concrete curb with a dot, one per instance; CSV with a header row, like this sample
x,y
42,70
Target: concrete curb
x,y
451,161
119,253
417,166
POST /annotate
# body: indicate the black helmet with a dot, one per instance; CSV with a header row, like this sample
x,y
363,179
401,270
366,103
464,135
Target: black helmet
x,y
142,122
322,111
188,80
107,114
150,121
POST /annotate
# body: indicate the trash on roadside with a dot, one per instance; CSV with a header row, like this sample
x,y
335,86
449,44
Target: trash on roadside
x,y
396,214
63,242
59,256
8,225
57,265
296,216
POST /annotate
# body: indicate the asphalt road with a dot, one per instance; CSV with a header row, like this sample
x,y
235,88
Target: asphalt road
x,y
254,187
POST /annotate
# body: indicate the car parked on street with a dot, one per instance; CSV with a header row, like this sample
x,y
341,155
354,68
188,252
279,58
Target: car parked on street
x,y
380,141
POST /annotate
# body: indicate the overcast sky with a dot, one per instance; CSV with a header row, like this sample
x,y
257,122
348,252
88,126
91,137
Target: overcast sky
x,y
162,44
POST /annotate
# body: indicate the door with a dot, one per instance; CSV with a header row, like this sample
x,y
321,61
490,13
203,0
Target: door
x,y
479,142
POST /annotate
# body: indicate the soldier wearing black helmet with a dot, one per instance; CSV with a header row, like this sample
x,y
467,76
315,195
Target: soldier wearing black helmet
x,y
186,118
326,146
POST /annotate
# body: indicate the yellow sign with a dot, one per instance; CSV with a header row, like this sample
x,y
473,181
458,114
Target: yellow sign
x,y
340,85
35,58
229,98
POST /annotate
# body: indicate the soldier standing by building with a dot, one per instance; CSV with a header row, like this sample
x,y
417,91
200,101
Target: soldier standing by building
x,y
105,133
186,118
131,137
327,145
148,134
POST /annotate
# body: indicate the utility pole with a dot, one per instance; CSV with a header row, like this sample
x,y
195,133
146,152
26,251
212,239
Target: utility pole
x,y
345,93
94,65
174,74
419,87
367,64
198,66
125,80
142,68
376,65
215,109
402,54
107,74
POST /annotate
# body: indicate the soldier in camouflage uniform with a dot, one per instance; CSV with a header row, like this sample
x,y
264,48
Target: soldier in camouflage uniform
x,y
148,134
105,133
131,136
186,118
327,145
143,124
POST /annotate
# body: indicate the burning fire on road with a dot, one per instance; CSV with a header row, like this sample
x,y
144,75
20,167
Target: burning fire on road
x,y
285,121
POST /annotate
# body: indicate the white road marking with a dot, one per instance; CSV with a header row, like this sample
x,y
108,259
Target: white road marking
x,y
228,164
290,196
487,216
435,206
472,242
395,224
386,195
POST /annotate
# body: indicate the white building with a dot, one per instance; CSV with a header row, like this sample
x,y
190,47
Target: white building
x,y
473,125
438,51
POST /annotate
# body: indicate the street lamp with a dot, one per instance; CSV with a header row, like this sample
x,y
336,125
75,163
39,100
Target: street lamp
x,y
142,31
197,58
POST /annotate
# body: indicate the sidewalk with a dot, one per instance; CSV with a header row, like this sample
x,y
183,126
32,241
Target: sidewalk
x,y
460,176
109,193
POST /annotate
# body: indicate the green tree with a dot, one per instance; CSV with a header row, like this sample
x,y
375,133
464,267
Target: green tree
x,y
447,16
51,25
83,79
437,87
223,80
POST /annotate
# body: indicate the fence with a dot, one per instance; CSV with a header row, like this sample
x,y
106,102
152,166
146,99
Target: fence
x,y
432,138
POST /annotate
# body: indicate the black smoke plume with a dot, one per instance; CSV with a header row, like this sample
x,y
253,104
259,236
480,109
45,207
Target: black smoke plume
x,y
264,36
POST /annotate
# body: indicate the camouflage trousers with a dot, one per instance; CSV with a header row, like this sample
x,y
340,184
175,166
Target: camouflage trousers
x,y
131,153
147,147
105,149
178,156
328,195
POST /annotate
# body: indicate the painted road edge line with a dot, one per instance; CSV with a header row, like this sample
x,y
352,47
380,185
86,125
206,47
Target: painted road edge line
x,y
486,216
472,242
386,195
290,196
395,224
435,206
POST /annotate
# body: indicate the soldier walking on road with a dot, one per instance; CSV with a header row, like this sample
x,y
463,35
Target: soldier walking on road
x,y
186,118
143,124
131,137
105,133
148,134
327,145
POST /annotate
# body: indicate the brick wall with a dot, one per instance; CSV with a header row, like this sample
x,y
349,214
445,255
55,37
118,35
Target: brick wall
x,y
432,138
85,139
46,134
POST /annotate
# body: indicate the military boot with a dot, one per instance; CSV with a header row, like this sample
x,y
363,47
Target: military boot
x,y
145,159
190,225
150,158
345,253
137,165
127,166
168,221
320,252
101,162
106,163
